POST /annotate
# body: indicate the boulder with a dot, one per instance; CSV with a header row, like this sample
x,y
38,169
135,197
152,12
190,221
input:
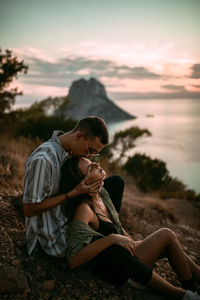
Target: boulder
x,y
88,97
12,280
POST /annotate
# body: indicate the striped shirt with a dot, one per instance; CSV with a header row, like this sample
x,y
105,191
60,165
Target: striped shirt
x,y
42,177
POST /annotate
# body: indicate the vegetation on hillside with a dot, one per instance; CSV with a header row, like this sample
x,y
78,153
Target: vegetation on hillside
x,y
124,140
153,175
35,121
37,124
10,66
150,175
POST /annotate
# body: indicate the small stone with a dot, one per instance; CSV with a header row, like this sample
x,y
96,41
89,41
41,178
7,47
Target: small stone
x,y
189,239
15,262
46,296
38,269
18,252
26,293
49,285
64,291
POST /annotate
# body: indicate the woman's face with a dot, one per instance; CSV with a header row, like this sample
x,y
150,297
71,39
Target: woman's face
x,y
92,168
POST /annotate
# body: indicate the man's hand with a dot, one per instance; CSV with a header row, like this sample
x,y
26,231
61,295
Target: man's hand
x,y
91,189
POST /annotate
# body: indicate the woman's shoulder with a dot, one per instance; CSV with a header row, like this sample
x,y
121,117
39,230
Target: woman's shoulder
x,y
83,212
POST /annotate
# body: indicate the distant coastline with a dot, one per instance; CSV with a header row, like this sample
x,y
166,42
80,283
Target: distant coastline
x,y
175,134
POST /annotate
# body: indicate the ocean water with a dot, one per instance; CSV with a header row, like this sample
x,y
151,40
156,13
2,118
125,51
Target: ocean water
x,y
175,128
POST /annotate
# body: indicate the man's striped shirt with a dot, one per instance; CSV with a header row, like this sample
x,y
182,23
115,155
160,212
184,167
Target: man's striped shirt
x,y
42,177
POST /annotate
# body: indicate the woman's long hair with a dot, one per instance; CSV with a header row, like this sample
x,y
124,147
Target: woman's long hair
x,y
71,176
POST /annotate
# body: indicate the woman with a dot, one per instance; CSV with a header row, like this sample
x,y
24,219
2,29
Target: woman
x,y
95,235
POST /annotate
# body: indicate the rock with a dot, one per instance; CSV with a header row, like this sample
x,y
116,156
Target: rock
x,y
189,239
49,285
43,274
12,280
64,291
15,262
88,97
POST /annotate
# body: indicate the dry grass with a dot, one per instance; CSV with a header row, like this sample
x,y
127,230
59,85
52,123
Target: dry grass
x,y
141,214
13,155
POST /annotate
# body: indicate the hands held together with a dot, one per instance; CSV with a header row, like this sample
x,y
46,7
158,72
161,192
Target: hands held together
x,y
124,241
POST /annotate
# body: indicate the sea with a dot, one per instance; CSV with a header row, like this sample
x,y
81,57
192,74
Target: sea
x,y
175,128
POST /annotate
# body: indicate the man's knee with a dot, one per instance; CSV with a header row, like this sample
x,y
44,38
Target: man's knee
x,y
116,180
114,185
119,180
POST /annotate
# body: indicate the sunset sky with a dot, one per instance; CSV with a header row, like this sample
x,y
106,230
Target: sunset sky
x,y
136,48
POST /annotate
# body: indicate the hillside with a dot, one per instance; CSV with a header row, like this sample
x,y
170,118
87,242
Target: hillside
x,y
50,278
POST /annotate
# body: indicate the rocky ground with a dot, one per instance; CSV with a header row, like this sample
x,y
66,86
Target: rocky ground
x,y
50,278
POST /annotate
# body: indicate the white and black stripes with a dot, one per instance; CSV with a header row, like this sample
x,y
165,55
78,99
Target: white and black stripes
x,y
43,169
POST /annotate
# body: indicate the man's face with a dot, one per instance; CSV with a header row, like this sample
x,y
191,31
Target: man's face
x,y
87,147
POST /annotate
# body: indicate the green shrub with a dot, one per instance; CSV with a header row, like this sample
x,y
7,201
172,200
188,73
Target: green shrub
x,y
43,126
173,188
152,175
192,196
149,174
124,140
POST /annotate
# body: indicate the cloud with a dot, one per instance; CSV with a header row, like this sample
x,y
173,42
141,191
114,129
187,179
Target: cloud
x,y
178,88
196,86
195,71
125,72
63,71
154,95
54,75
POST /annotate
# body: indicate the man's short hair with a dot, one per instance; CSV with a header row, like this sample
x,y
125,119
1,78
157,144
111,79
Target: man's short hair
x,y
93,127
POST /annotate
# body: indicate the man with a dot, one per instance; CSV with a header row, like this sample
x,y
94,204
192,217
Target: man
x,y
44,205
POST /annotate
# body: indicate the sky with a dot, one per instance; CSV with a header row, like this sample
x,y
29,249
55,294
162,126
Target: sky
x,y
139,49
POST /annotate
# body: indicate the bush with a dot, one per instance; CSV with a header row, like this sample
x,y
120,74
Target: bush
x,y
13,155
152,175
149,174
173,188
124,140
43,126
192,196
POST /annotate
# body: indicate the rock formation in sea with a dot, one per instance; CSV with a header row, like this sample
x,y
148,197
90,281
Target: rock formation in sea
x,y
88,97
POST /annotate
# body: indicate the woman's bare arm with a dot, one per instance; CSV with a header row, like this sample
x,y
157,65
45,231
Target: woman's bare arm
x,y
85,214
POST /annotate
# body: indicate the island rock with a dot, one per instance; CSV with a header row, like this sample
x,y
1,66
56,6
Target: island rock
x,y
88,97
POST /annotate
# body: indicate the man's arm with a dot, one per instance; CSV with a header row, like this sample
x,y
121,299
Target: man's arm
x,y
32,209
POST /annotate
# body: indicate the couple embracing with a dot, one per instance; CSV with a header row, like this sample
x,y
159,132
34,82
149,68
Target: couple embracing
x,y
71,211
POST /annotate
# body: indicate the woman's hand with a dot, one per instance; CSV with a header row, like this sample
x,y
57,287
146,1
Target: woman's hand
x,y
124,241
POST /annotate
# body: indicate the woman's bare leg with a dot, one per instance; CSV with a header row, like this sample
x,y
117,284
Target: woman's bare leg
x,y
162,243
159,284
195,269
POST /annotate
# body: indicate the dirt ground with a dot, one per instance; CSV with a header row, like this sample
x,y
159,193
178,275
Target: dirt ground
x,y
50,278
